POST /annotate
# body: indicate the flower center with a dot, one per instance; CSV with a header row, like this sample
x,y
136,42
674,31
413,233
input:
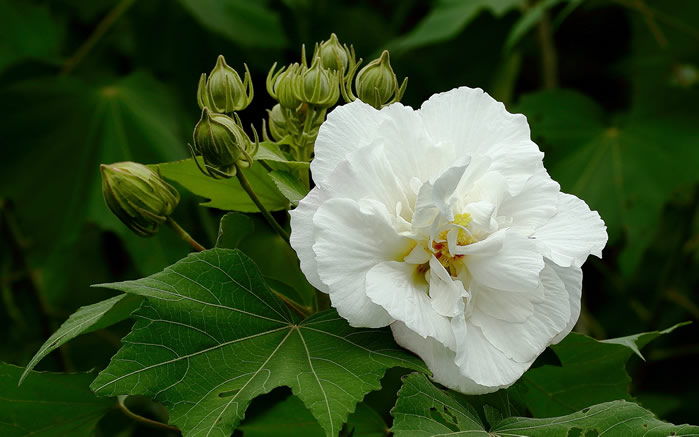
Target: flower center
x,y
464,237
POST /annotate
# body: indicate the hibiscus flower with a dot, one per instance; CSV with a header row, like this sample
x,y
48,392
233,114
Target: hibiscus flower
x,y
443,223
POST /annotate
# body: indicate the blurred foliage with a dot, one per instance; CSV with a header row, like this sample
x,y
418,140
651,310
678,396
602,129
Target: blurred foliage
x,y
610,87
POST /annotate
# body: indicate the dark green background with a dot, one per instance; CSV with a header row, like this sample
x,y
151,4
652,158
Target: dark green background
x,y
618,119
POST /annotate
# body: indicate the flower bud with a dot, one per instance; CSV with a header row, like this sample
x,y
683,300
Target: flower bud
x,y
376,83
138,196
222,143
224,91
280,85
334,56
318,86
277,122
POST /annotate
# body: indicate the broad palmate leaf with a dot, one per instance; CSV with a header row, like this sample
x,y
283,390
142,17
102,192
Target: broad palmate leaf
x,y
86,319
48,404
424,410
211,336
591,372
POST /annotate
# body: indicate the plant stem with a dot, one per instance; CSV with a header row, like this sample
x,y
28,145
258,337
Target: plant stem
x,y
184,235
124,409
96,35
302,310
256,200
549,61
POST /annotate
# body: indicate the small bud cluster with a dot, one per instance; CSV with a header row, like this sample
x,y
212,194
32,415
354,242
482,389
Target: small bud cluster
x,y
219,137
304,93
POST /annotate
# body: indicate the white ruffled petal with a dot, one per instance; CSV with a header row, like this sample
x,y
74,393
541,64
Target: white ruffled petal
x,y
506,306
525,340
514,267
534,205
446,294
478,358
439,359
477,124
302,237
348,128
350,239
572,280
397,287
572,234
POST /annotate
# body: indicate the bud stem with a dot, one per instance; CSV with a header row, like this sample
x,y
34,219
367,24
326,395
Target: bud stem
x,y
184,235
256,200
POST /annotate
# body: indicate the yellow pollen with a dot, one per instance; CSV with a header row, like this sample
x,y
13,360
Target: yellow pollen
x,y
463,238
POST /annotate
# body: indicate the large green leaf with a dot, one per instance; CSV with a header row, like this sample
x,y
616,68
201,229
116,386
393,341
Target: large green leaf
x,y
86,319
210,337
447,19
250,24
48,404
290,418
226,194
627,170
424,410
591,372
57,137
19,39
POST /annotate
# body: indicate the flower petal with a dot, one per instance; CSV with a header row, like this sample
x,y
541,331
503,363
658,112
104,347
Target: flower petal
x,y
477,124
400,289
348,128
351,238
534,205
439,359
478,358
446,294
525,340
514,267
574,233
302,237
572,280
503,305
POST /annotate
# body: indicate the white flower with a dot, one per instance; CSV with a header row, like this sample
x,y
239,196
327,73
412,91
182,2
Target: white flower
x,y
444,224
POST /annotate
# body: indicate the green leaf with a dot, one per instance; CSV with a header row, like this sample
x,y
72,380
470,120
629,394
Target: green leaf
x,y
424,410
271,152
274,257
19,39
617,418
232,228
626,170
225,194
48,404
591,372
531,17
447,19
289,186
86,319
290,418
62,130
210,337
250,24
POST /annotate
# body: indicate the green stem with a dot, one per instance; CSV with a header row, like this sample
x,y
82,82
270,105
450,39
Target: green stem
x,y
547,49
302,310
256,200
96,35
124,409
184,235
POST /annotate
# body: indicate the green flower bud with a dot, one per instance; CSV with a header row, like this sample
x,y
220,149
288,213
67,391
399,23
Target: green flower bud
x,y
138,196
280,85
377,85
277,122
224,91
334,56
222,143
318,86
